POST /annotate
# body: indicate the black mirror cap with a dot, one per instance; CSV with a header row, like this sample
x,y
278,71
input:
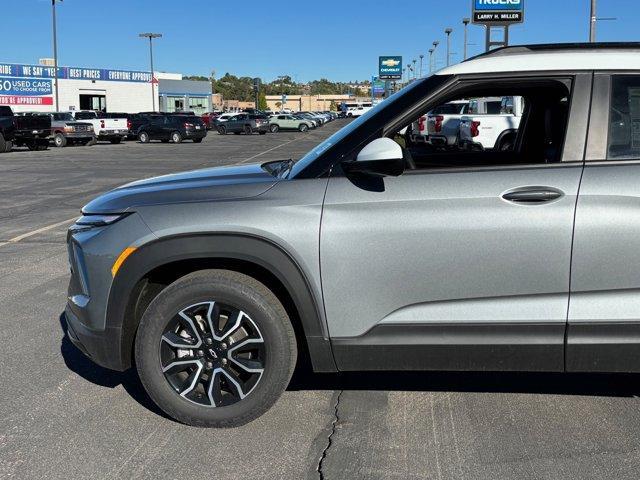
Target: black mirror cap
x,y
377,168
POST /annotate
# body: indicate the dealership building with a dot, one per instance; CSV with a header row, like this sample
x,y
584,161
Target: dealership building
x,y
32,87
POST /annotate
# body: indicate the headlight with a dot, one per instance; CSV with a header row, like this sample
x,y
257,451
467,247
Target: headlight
x,y
100,220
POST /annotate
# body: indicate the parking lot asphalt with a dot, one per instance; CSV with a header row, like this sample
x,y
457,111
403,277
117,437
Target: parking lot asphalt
x,y
63,417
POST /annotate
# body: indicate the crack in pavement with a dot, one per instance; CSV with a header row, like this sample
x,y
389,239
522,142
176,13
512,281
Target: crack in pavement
x,y
334,423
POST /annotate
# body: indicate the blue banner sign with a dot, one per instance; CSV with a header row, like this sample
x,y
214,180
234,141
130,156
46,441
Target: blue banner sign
x,y
25,86
498,11
73,73
390,68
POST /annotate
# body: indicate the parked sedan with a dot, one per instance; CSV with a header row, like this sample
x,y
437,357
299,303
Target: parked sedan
x,y
289,122
174,128
246,123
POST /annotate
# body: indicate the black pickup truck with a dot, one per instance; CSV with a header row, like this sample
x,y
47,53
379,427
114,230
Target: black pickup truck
x,y
30,130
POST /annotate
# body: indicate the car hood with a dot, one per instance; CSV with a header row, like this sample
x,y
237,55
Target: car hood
x,y
221,183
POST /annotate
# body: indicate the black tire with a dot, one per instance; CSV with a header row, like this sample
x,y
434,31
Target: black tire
x,y
197,140
248,130
261,308
237,133
222,130
59,140
262,132
115,140
303,127
8,146
274,128
33,146
144,137
92,142
176,137
3,144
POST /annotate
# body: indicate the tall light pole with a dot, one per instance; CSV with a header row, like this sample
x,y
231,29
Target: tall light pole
x,y
431,50
448,32
55,50
151,36
415,70
421,57
592,21
435,54
466,22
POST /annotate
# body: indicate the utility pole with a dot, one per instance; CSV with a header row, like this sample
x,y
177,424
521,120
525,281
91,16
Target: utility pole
x,y
151,36
431,50
55,51
421,57
466,22
448,32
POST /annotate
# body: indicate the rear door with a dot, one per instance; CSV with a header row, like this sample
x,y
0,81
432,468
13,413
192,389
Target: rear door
x,y
604,313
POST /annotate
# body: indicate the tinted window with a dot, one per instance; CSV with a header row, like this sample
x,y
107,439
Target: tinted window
x,y
494,108
624,117
448,109
85,115
62,117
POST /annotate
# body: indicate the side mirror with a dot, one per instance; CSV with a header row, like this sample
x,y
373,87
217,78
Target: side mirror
x,y
382,157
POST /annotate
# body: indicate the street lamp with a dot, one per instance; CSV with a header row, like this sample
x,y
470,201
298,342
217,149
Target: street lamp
x,y
448,32
435,57
151,36
414,70
466,22
421,57
55,50
431,50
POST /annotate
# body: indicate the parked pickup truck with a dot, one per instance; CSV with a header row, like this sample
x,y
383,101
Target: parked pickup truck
x,y
441,125
65,130
493,130
113,130
32,130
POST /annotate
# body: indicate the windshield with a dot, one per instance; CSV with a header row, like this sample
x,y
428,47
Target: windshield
x,y
313,155
63,117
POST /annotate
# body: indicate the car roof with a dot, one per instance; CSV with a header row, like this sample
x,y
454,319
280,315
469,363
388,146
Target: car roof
x,y
552,57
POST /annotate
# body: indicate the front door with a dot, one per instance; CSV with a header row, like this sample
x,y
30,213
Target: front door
x,y
454,267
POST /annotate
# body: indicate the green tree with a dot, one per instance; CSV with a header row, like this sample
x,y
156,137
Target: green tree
x,y
262,100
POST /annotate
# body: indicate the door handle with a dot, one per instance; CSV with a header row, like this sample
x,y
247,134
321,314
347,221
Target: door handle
x,y
532,195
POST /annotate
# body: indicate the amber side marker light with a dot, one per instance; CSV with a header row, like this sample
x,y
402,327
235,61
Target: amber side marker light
x,y
121,258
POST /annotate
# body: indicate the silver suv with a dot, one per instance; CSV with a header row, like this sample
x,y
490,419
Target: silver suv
x,y
371,253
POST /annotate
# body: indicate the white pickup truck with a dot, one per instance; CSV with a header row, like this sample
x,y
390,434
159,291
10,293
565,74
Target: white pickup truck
x,y
440,126
113,130
493,129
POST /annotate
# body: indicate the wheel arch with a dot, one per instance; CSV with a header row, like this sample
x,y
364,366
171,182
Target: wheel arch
x,y
152,267
503,135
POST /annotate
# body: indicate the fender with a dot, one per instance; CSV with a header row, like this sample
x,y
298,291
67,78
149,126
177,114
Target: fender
x,y
504,134
232,246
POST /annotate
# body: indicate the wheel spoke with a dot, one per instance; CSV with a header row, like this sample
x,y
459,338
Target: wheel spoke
x,y
192,380
215,388
177,341
234,383
193,327
249,365
179,366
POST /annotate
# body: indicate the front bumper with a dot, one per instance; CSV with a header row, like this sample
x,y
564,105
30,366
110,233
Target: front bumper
x,y
79,135
92,252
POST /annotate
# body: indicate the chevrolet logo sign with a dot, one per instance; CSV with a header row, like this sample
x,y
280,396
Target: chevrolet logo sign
x,y
390,62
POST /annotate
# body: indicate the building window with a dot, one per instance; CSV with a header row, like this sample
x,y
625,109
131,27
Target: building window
x,y
198,105
175,104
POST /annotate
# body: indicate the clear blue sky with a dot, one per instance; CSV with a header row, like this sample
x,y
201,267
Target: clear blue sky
x,y
337,39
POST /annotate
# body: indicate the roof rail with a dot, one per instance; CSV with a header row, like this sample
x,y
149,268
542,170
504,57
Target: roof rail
x,y
556,47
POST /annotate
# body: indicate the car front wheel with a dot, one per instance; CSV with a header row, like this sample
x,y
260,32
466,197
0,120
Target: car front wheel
x,y
144,137
274,128
215,349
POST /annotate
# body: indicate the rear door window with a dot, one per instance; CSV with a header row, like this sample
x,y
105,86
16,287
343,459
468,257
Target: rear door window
x,y
624,117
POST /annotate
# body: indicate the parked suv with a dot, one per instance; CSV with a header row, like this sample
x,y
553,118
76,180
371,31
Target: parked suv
x,y
172,127
247,123
366,254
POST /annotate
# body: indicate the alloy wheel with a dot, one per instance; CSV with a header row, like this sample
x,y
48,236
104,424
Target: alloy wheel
x,y
212,354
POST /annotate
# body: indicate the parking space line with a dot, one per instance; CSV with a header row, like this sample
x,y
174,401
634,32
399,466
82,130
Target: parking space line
x,y
267,151
39,230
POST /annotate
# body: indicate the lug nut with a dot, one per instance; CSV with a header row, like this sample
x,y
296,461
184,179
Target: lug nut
x,y
200,353
224,361
223,345
209,365
208,341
